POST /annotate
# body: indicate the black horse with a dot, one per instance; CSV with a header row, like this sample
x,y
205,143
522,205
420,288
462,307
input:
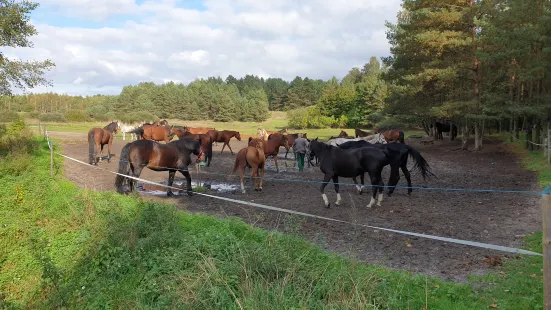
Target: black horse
x,y
440,128
171,157
336,162
398,153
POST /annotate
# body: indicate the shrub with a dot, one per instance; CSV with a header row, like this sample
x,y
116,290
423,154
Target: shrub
x,y
8,116
390,123
76,116
138,117
311,117
52,117
16,139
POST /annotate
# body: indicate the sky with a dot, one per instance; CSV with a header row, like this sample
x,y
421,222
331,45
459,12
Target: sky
x,y
99,46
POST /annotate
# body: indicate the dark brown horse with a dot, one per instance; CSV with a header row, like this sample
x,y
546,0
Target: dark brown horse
x,y
198,130
393,135
342,134
204,139
271,147
253,157
155,133
171,157
97,138
291,140
224,136
361,133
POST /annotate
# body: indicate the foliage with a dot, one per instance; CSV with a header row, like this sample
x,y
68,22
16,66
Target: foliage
x,y
76,116
8,116
62,247
311,117
52,117
14,32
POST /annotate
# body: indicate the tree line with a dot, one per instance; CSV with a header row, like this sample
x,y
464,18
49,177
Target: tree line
x,y
472,62
249,98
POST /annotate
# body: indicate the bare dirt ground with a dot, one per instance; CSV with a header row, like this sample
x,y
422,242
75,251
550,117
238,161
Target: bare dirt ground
x,y
497,218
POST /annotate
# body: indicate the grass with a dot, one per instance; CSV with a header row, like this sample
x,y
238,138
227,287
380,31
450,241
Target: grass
x,y
278,120
64,247
534,161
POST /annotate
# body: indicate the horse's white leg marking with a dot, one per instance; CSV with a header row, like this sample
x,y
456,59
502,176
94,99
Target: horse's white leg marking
x,y
380,199
359,188
325,199
242,187
123,136
338,199
371,202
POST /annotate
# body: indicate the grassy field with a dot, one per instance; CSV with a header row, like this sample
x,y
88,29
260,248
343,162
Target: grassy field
x,y
64,247
277,121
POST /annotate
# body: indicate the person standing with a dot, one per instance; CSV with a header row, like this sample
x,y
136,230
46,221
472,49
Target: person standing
x,y
300,146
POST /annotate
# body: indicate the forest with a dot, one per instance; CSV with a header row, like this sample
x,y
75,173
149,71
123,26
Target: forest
x,y
474,63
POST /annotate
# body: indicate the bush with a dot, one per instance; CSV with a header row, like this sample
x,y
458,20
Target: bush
x,y
138,117
76,116
8,116
16,139
52,117
390,123
311,117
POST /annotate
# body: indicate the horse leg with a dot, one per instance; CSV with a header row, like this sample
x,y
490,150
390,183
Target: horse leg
x,y
101,153
185,173
171,174
96,152
241,175
326,179
109,150
336,184
223,146
404,168
381,189
254,176
275,161
231,151
136,172
375,180
261,176
123,136
393,178
358,188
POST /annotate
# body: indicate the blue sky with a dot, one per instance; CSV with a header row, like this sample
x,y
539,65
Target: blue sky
x,y
100,46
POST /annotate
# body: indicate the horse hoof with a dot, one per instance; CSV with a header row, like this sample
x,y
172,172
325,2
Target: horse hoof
x,y
190,194
328,205
243,191
170,194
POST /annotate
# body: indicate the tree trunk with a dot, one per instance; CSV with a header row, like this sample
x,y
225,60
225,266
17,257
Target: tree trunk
x,y
451,130
512,126
477,135
538,134
464,135
528,139
517,131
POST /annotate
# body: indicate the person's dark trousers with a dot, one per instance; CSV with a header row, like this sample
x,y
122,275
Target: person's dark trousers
x,y
300,158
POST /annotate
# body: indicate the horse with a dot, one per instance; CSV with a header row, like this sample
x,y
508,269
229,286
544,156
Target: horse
x,y
204,139
393,135
343,135
171,157
97,138
155,133
336,162
127,128
271,147
360,133
291,137
198,130
310,156
440,128
224,136
264,134
398,153
376,138
253,157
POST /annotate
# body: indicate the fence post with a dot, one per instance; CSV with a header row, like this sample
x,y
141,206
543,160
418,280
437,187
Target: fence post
x,y
548,144
546,244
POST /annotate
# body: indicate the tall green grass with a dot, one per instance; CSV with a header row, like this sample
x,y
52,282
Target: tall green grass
x,y
64,247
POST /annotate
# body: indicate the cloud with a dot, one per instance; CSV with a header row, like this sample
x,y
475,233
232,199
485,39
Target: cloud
x,y
163,40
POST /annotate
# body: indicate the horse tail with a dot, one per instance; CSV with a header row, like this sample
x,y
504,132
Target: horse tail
x,y
236,164
91,148
124,167
420,163
401,137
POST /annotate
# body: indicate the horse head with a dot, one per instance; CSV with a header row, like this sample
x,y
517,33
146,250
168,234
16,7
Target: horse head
x,y
238,136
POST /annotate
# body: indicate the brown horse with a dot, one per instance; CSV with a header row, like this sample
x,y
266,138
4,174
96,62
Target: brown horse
x,y
271,147
253,157
342,134
198,130
204,139
171,157
155,133
291,140
392,135
361,133
224,136
97,138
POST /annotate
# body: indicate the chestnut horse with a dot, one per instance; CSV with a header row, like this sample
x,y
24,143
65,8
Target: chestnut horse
x,y
253,157
291,140
342,134
361,133
97,138
393,135
198,130
155,133
264,134
271,147
171,157
224,136
204,139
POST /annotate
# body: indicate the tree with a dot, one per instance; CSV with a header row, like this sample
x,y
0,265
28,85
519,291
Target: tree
x,y
14,32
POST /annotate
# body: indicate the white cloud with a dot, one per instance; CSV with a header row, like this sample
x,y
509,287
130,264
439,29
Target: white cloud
x,y
161,42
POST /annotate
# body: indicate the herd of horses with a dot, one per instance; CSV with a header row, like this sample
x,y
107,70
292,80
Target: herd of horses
x,y
341,156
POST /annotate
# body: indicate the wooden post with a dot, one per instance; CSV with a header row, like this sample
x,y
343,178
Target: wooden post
x,y
548,144
546,244
51,160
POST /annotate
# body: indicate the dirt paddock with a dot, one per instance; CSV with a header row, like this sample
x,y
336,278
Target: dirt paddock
x,y
497,218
